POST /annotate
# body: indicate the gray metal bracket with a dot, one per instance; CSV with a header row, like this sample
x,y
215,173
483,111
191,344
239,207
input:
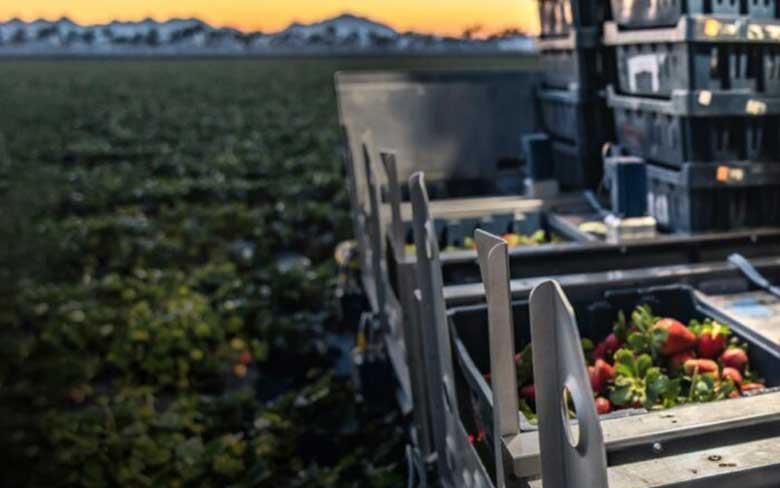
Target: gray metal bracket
x,y
436,336
376,234
753,274
412,337
403,346
492,252
358,215
572,455
390,165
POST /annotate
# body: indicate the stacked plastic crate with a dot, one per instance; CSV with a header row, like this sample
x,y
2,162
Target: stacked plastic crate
x,y
572,101
697,95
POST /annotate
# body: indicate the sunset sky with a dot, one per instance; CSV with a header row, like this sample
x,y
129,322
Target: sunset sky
x,y
438,16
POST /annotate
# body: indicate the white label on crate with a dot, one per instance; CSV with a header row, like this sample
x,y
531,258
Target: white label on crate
x,y
755,32
643,67
659,208
772,32
755,107
759,32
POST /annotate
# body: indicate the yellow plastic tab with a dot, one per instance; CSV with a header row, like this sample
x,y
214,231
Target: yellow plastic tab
x,y
711,28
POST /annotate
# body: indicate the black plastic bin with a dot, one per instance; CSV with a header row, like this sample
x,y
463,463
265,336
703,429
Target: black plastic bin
x,y
637,14
689,57
577,165
579,124
453,231
559,17
576,62
698,127
574,116
595,317
706,197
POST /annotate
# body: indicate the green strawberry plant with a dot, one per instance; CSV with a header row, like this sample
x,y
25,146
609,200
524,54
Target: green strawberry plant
x,y
150,336
640,384
658,363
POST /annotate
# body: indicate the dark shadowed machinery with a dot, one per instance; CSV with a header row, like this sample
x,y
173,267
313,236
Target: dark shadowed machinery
x,y
511,225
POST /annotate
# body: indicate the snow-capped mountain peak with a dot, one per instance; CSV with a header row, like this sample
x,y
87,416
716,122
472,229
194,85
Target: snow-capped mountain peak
x,y
344,34
343,26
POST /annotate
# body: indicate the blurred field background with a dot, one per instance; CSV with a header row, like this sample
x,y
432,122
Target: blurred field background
x,y
168,311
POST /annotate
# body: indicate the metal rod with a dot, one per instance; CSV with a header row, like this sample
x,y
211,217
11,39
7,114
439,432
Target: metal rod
x,y
753,274
390,163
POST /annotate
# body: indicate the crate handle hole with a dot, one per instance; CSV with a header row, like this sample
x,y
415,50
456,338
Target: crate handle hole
x,y
569,418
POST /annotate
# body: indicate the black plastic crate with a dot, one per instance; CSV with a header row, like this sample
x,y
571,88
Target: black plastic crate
x,y
698,127
577,166
595,317
454,232
576,62
637,14
707,197
574,116
558,18
693,56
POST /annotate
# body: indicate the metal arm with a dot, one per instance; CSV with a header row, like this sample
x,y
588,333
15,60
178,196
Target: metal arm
x,y
752,274
493,257
435,333
569,459
390,164
376,240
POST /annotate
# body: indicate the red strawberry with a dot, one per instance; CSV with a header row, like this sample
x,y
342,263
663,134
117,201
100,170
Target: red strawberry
x,y
245,358
518,358
734,394
677,361
711,343
734,357
751,387
605,371
528,392
732,374
596,381
488,378
600,352
612,344
705,366
603,406
678,339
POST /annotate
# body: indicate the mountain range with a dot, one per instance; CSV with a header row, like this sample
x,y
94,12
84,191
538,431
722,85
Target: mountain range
x,y
345,34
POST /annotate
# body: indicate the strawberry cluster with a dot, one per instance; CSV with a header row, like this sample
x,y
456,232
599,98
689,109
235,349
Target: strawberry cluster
x,y
656,363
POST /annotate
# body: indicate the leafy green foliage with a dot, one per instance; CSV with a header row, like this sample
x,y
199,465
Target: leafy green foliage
x,y
163,224
643,337
640,384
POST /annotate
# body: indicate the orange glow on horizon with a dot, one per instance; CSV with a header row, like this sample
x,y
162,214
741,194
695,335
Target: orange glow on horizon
x,y
434,16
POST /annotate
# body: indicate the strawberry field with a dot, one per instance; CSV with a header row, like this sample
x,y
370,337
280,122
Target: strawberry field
x,y
168,313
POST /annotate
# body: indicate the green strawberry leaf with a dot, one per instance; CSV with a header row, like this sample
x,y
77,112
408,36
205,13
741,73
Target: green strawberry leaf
x,y
587,348
621,395
638,342
525,370
643,318
643,364
658,338
621,327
